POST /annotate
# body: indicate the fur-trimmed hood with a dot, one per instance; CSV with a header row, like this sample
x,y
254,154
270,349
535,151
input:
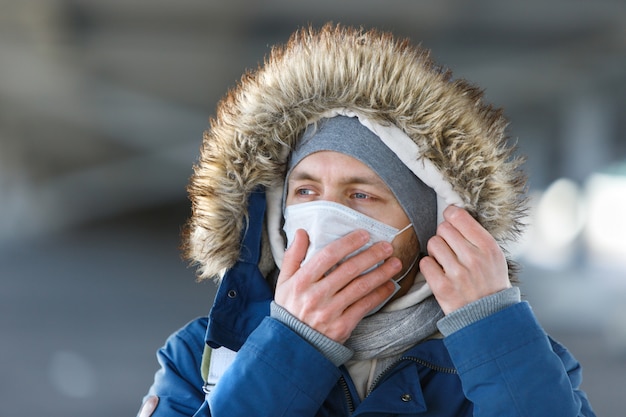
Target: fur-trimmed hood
x,y
368,73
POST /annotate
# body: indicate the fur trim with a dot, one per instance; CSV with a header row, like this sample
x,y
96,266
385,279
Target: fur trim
x,y
388,81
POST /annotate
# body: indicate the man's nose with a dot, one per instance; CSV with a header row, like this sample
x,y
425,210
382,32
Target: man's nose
x,y
333,197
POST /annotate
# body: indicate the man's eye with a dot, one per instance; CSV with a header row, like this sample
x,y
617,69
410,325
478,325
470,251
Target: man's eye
x,y
360,195
304,191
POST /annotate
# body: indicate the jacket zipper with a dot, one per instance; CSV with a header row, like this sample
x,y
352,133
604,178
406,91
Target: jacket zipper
x,y
419,361
346,391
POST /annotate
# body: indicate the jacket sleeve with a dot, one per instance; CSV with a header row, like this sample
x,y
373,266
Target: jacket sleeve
x,y
275,373
509,367
178,382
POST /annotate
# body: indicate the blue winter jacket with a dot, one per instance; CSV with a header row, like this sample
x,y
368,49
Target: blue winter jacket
x,y
503,365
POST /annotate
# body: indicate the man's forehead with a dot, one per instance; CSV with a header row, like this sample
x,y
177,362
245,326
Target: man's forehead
x,y
337,166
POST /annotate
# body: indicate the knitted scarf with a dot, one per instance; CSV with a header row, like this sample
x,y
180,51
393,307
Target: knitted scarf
x,y
389,333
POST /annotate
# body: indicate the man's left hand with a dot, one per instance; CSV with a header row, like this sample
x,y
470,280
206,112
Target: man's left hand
x,y
465,262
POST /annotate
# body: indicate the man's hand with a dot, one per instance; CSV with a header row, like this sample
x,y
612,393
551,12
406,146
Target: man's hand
x,y
465,263
333,304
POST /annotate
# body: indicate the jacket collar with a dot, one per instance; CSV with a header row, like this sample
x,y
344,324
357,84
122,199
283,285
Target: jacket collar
x,y
243,297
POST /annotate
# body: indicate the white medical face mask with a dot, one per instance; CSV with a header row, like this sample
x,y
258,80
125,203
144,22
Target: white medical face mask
x,y
325,222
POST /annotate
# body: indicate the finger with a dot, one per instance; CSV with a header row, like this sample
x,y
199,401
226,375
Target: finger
x,y
359,263
359,308
430,268
361,286
334,252
438,282
451,245
294,255
467,226
441,252
433,273
341,328
476,241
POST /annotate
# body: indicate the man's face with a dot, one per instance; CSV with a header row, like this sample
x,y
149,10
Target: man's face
x,y
339,178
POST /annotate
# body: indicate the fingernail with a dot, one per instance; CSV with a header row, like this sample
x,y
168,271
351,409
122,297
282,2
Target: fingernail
x,y
363,236
395,262
387,247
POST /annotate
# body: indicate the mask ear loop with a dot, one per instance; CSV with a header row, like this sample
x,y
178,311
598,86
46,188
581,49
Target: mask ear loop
x,y
417,258
404,229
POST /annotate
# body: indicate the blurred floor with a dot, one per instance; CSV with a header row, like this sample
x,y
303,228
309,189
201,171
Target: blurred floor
x,y
83,313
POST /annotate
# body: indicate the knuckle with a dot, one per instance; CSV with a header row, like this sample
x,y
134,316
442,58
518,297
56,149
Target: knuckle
x,y
443,227
381,250
327,256
343,333
456,272
368,304
385,272
321,317
363,285
299,286
350,268
306,301
474,263
494,252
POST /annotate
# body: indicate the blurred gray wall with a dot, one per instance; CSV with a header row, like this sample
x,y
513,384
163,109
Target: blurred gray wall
x,y
102,108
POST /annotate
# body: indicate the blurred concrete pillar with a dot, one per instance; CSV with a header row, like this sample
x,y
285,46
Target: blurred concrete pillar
x,y
536,136
15,186
587,135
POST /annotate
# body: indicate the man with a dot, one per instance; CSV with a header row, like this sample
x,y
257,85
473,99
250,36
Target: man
x,y
351,199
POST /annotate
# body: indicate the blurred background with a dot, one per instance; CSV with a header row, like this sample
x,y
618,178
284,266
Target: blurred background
x,y
102,108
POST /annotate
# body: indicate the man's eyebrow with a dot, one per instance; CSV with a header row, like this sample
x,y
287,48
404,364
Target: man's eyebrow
x,y
364,179
301,176
372,179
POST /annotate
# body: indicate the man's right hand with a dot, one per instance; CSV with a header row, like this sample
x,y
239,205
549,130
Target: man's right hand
x,y
334,304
